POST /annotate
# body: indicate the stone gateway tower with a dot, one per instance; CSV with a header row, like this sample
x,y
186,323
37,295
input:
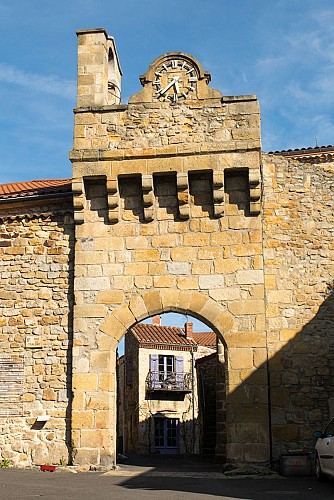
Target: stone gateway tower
x,y
172,207
167,200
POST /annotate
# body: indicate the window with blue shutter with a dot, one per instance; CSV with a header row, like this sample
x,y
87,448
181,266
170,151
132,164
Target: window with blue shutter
x,y
179,369
154,369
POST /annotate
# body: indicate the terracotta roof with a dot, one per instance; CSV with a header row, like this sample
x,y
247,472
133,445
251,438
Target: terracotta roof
x,y
148,334
304,151
153,334
35,188
206,339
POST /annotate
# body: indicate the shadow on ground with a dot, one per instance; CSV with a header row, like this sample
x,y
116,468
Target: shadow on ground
x,y
184,476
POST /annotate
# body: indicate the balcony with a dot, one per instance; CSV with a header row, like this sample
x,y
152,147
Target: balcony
x,y
172,381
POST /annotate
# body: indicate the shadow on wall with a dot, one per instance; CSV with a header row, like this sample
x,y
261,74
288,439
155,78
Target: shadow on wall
x,y
300,392
298,381
301,381
69,354
164,435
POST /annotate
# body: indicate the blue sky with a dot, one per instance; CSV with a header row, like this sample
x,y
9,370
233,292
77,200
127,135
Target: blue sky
x,y
281,50
175,319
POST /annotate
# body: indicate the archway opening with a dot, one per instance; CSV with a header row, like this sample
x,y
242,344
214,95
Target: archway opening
x,y
170,368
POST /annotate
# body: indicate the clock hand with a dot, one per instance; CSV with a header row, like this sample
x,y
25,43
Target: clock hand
x,y
176,84
162,91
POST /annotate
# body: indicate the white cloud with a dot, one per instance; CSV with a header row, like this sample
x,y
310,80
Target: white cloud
x,y
294,77
39,83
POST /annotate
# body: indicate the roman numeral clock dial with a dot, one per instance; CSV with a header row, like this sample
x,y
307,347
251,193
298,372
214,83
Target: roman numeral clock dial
x,y
175,80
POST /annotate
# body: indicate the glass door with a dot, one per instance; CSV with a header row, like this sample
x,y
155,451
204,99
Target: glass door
x,y
166,435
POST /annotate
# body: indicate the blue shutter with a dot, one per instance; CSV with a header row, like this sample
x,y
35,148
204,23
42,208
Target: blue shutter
x,y
154,369
179,368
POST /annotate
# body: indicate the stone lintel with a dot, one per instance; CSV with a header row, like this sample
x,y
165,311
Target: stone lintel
x,y
133,154
101,109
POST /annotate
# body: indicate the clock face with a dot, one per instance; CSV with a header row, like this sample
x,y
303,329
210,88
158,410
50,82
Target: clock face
x,y
175,80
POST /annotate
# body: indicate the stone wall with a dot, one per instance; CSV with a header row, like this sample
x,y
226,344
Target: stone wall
x,y
298,255
36,298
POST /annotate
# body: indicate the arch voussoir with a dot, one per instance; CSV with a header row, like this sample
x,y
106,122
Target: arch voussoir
x,y
170,300
124,315
153,302
197,303
113,328
157,302
223,325
138,308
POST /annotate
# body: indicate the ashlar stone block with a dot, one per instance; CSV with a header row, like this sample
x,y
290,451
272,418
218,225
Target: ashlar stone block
x,y
100,362
107,381
178,268
146,255
249,277
85,381
110,297
166,281
82,419
211,282
90,310
240,358
187,283
247,307
98,401
89,283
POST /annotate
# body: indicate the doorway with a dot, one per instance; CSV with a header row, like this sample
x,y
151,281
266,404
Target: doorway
x,y
166,435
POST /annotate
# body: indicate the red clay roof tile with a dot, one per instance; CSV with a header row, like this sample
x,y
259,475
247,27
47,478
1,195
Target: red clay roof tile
x,y
34,188
207,339
148,334
154,334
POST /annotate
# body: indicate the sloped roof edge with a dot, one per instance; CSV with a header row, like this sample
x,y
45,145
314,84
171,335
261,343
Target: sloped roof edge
x,y
35,188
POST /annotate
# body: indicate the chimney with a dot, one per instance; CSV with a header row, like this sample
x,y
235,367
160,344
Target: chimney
x,y
156,320
188,330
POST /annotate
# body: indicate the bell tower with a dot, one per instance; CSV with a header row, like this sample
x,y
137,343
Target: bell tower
x,y
99,71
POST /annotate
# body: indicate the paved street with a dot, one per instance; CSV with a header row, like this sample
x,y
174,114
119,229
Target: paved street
x,y
132,482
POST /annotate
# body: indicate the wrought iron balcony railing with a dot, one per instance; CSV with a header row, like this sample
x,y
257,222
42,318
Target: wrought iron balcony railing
x,y
172,381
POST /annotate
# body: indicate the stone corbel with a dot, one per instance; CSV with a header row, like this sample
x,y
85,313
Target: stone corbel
x,y
113,200
148,197
218,194
183,195
78,200
254,191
